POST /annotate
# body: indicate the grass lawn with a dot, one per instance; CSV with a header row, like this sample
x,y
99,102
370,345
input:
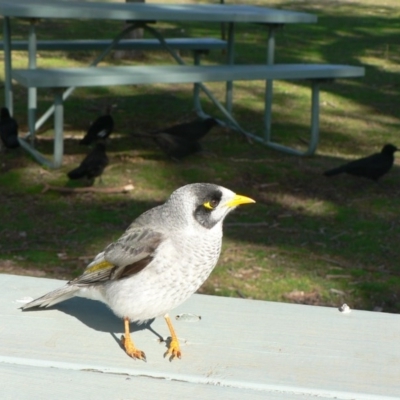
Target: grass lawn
x,y
308,239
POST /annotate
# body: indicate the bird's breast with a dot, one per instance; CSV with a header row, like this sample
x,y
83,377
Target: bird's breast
x,y
177,270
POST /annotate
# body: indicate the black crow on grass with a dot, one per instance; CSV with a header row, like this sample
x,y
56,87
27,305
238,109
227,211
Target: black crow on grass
x,y
191,131
175,147
371,167
182,140
100,129
8,129
92,165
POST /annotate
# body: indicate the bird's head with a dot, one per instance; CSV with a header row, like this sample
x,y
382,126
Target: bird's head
x,y
4,113
389,149
208,204
109,108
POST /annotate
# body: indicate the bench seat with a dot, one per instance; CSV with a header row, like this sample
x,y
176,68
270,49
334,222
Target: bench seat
x,y
234,349
140,75
194,44
60,78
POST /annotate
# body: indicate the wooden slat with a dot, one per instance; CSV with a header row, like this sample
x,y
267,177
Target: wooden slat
x,y
274,349
25,382
151,12
125,44
109,76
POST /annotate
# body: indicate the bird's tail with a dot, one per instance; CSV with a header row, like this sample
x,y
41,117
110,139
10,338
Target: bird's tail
x,y
54,297
12,142
334,171
77,173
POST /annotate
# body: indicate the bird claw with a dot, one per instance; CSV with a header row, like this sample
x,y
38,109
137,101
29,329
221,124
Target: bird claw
x,y
173,350
131,350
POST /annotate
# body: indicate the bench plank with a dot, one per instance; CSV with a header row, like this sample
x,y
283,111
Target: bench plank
x,y
278,350
25,382
139,75
196,44
153,12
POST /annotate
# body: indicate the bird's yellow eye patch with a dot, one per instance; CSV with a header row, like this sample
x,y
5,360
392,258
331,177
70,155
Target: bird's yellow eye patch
x,y
210,205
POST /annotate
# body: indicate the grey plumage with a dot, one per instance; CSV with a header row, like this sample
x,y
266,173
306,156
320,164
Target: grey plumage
x,y
161,259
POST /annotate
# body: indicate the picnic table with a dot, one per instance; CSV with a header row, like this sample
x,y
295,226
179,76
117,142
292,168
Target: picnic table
x,y
231,349
144,15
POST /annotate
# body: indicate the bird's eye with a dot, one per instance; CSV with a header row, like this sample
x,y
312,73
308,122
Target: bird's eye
x,y
211,204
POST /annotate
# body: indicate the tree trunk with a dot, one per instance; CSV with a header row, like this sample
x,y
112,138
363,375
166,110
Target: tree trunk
x,y
135,34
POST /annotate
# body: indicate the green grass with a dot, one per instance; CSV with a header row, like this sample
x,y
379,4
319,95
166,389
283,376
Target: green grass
x,y
307,239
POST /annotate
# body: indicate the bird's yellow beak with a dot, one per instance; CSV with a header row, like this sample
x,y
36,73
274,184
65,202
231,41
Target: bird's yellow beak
x,y
238,199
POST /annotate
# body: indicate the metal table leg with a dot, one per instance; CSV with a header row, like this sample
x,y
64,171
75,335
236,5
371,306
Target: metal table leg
x,y
32,91
269,84
97,60
8,94
314,133
209,94
58,128
230,61
57,108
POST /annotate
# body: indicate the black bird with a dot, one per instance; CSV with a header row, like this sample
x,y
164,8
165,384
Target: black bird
x,y
8,129
192,131
175,147
182,140
92,165
101,128
371,167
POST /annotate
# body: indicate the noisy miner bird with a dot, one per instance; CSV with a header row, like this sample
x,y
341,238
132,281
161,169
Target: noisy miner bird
x,y
101,128
182,140
92,165
160,261
371,167
8,129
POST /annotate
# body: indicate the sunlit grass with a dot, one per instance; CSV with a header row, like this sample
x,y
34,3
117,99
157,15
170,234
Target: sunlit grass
x,y
307,239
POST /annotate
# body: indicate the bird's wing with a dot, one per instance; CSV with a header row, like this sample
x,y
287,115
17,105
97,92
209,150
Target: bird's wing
x,y
85,166
103,125
176,147
95,157
179,130
102,133
371,162
127,256
9,131
77,173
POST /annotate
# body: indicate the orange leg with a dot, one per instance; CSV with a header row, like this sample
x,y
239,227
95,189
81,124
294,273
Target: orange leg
x,y
128,345
173,348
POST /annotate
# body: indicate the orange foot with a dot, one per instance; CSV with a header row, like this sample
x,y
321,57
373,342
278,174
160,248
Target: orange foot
x,y
131,350
173,350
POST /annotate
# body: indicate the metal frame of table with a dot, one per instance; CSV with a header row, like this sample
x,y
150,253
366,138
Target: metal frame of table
x,y
142,14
